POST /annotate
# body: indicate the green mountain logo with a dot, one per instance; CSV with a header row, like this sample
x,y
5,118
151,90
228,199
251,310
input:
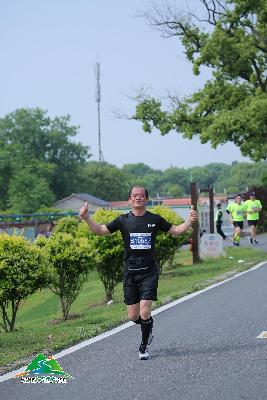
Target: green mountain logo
x,y
44,365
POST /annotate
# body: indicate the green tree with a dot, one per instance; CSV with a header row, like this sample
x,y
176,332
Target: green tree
x,y
167,245
231,107
67,225
7,169
264,180
210,173
27,192
143,175
137,169
175,191
103,180
107,251
232,190
31,140
178,176
24,269
241,176
71,261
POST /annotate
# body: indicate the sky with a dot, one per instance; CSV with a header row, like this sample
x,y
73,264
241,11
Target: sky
x,y
49,50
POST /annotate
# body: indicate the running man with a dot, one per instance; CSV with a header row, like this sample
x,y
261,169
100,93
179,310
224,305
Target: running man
x,y
236,211
253,208
139,228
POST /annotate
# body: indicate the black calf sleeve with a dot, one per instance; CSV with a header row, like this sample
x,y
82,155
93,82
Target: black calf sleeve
x,y
138,321
146,326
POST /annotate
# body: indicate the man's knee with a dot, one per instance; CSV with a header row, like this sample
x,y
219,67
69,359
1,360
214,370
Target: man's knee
x,y
133,312
145,309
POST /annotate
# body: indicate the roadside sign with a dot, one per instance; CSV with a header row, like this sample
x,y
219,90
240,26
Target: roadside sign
x,y
211,245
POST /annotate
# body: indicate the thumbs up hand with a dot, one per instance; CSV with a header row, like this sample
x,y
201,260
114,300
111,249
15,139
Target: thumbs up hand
x,y
193,214
84,211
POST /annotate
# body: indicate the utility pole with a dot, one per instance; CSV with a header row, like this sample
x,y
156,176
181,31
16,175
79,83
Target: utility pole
x,y
195,235
98,100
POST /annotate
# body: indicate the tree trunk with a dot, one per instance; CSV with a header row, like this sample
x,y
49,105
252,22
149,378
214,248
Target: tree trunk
x,y
64,307
109,292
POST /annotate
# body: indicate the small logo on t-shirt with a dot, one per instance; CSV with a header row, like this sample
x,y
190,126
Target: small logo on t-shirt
x,y
151,225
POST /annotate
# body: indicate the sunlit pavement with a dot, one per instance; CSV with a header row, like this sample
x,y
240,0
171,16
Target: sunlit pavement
x,y
262,238
262,245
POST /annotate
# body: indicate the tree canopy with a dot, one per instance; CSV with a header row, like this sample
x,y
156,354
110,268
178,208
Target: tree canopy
x,y
40,164
33,144
103,180
24,269
232,106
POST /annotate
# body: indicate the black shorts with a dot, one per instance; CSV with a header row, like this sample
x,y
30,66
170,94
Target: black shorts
x,y
238,223
140,287
253,222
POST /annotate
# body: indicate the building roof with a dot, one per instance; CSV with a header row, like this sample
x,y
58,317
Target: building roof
x,y
86,197
176,202
122,203
173,202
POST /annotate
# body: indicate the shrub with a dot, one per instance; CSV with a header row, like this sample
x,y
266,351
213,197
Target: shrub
x,y
24,269
107,250
67,225
167,245
71,261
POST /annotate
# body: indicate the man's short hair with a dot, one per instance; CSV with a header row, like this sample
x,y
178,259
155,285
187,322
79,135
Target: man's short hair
x,y
252,194
130,191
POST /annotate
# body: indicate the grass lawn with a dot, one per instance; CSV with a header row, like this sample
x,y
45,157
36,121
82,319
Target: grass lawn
x,y
39,327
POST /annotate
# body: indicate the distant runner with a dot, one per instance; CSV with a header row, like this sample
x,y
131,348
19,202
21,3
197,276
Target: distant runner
x,y
253,208
139,228
236,211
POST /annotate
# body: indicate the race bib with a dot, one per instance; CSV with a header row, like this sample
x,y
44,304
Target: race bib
x,y
140,241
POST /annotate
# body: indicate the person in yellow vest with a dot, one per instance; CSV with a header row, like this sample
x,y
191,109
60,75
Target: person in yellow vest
x,y
253,208
236,211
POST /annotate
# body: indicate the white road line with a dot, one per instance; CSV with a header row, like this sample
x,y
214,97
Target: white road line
x,y
120,328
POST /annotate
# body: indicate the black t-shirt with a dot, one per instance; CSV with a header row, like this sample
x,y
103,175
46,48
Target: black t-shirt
x,y
139,234
219,216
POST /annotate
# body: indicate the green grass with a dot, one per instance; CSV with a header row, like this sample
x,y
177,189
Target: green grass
x,y
39,327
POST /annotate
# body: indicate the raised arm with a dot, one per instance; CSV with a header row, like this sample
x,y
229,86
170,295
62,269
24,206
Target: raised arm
x,y
177,230
96,228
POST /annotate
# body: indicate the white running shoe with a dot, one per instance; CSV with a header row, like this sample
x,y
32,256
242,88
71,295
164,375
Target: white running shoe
x,y
143,353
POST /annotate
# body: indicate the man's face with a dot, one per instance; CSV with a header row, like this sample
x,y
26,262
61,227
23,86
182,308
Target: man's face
x,y
238,199
138,197
252,197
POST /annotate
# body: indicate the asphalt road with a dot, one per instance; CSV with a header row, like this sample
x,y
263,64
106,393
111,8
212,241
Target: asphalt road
x,y
262,245
204,348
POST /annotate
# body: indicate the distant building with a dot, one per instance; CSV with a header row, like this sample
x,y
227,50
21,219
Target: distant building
x,y
169,202
76,200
